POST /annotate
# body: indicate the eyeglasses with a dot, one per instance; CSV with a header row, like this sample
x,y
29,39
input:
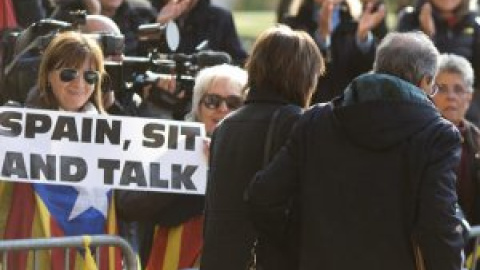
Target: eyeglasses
x,y
214,101
457,90
434,90
69,74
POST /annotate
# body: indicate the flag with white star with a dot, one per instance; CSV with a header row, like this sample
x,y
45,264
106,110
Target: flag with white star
x,y
78,210
44,211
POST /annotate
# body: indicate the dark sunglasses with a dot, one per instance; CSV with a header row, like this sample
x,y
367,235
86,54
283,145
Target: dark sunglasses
x,y
214,101
69,74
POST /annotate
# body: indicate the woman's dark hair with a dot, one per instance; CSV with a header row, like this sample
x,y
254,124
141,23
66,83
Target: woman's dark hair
x,y
287,62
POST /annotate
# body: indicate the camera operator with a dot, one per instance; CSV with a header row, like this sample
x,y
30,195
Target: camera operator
x,y
200,21
116,101
127,14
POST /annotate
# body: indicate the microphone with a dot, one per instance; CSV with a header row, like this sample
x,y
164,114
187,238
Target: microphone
x,y
211,58
203,58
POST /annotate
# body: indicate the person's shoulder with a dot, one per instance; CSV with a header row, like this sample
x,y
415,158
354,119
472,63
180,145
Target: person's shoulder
x,y
473,18
319,108
215,8
217,11
443,130
407,14
471,127
407,11
138,9
139,4
315,112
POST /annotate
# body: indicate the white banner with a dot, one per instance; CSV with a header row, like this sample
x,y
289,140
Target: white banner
x,y
79,149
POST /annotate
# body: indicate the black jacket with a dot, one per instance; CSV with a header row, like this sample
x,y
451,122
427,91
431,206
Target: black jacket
x,y
461,38
471,140
372,170
207,22
237,150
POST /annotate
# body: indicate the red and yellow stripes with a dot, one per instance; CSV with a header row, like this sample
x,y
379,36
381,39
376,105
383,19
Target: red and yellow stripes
x,y
28,217
178,247
6,189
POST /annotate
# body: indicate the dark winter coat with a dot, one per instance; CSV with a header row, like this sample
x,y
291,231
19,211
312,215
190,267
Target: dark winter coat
x,y
471,141
372,170
237,153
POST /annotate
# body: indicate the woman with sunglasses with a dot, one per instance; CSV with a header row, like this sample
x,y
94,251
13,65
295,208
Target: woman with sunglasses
x,y
282,73
69,79
218,91
69,75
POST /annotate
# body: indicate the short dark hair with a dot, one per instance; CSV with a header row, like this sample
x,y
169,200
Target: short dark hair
x,y
287,62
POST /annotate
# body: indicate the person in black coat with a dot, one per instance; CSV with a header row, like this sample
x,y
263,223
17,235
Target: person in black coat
x,y
454,28
346,38
373,170
282,84
199,21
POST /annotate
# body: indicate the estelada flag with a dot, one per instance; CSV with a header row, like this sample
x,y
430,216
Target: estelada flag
x,y
44,211
7,15
177,247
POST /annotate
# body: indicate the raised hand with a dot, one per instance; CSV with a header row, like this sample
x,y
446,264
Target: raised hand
x,y
426,20
324,20
172,10
370,19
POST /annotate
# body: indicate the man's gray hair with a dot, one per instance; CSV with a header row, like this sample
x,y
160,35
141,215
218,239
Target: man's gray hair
x,y
410,56
452,63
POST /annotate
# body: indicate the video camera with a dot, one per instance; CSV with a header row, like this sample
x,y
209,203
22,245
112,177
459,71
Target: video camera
x,y
134,73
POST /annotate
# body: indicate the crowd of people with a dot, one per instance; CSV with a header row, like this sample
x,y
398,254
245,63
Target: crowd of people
x,y
334,143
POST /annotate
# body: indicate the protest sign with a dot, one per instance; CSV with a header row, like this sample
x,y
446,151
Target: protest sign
x,y
89,150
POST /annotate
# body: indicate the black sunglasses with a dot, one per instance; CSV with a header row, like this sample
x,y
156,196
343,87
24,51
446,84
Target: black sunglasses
x,y
214,101
69,74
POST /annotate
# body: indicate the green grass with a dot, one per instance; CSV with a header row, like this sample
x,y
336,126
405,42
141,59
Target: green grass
x,y
251,23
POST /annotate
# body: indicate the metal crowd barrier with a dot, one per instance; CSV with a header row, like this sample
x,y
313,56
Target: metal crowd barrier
x,y
474,233
67,242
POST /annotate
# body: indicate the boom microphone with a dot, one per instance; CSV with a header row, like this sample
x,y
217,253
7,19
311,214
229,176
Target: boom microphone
x,y
212,58
204,58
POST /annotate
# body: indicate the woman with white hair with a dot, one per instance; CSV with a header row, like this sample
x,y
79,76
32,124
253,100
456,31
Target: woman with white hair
x,y
453,27
455,90
218,91
173,223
